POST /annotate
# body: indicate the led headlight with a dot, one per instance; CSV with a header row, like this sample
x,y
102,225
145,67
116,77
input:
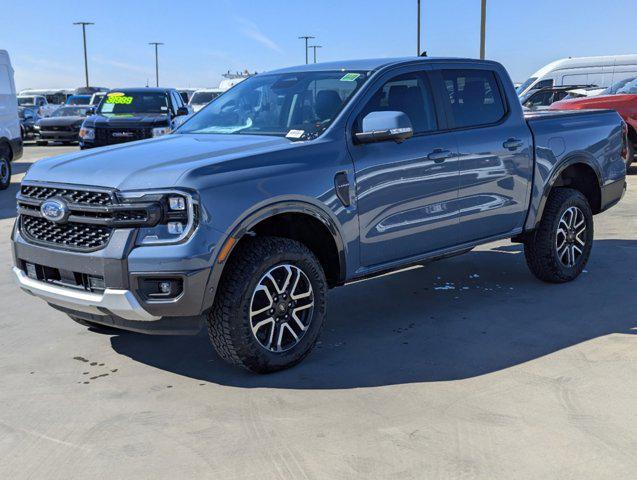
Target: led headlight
x,y
159,131
178,219
87,133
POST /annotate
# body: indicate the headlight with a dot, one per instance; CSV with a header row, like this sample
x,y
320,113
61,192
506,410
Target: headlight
x,y
87,133
159,131
179,216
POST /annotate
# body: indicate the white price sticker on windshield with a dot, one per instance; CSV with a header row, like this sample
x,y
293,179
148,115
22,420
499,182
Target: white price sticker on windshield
x,y
295,133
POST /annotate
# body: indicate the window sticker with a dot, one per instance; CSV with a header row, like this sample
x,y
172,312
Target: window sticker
x,y
350,77
119,99
107,107
295,133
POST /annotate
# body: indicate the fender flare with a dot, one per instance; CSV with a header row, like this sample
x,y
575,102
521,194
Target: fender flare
x,y
250,220
573,159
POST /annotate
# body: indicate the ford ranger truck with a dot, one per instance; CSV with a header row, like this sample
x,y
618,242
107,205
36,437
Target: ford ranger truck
x,y
304,179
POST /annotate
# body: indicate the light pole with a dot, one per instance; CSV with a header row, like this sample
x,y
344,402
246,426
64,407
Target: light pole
x,y
315,47
156,44
483,28
84,24
306,38
418,32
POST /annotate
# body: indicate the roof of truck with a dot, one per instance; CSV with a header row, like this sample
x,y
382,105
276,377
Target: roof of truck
x,y
368,64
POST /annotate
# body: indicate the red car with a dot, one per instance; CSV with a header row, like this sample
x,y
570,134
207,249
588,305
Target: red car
x,y
621,97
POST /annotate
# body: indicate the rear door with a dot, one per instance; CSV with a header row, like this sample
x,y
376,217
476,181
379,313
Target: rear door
x,y
406,192
495,151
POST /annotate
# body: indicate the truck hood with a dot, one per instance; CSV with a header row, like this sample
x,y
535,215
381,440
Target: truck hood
x,y
604,101
154,163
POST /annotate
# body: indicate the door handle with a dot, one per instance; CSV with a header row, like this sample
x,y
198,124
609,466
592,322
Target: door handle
x,y
439,155
513,144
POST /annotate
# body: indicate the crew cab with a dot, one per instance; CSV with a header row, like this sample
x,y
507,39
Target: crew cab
x,y
128,114
303,179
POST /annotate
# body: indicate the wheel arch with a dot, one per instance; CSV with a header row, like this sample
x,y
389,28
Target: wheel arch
x,y
579,172
323,237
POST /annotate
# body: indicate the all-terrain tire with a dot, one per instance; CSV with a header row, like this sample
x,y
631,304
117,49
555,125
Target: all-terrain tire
x,y
541,247
229,321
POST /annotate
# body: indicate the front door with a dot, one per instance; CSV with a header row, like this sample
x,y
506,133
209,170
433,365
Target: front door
x,y
406,192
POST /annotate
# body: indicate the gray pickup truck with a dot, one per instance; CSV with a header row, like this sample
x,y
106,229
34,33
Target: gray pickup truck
x,y
303,179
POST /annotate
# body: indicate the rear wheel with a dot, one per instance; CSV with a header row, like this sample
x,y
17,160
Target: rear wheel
x,y
5,169
631,155
270,305
559,248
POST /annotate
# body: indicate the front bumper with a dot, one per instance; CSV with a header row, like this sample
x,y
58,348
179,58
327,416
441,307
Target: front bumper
x,y
61,136
121,303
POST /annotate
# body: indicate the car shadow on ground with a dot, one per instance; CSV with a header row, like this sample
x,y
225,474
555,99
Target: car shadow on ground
x,y
454,319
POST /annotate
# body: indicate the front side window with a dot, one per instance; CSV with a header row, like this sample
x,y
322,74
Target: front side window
x,y
528,82
299,106
625,86
408,93
474,97
135,102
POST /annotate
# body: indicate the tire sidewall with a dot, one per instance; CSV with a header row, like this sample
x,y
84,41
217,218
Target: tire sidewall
x,y
252,349
580,202
4,160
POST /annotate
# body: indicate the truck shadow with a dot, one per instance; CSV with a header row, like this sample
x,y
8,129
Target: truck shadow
x,y
454,319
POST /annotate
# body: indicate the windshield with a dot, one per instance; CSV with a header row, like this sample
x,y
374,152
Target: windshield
x,y
626,86
201,98
79,100
130,103
525,85
299,106
70,112
24,101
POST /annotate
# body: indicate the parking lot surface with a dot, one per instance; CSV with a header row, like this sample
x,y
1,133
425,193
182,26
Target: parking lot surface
x,y
466,368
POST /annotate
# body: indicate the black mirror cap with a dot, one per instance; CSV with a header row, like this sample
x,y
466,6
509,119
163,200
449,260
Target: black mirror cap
x,y
182,111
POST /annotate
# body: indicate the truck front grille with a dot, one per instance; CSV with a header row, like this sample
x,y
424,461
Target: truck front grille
x,y
112,135
71,235
92,214
76,196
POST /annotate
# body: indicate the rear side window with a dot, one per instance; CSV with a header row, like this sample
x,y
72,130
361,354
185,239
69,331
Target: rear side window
x,y
408,93
474,97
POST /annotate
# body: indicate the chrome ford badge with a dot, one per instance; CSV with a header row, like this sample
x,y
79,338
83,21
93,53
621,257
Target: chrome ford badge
x,y
54,210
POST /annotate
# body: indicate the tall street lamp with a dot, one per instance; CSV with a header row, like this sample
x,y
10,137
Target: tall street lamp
x,y
314,47
306,37
483,28
418,31
156,44
84,24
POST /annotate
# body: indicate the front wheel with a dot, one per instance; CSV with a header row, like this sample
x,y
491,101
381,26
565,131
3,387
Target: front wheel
x,y
270,305
559,248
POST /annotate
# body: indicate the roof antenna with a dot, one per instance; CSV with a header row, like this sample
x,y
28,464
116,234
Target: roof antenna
x,y
424,53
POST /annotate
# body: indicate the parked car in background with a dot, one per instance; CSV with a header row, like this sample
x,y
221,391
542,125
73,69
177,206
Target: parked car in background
x,y
542,98
186,93
97,97
621,97
53,96
129,114
79,100
63,125
203,97
303,179
10,135
602,71
28,118
38,103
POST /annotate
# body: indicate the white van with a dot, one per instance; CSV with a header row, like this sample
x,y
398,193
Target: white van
x,y
10,138
599,71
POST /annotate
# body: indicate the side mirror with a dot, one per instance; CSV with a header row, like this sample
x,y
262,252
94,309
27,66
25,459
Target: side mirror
x,y
90,111
182,111
383,126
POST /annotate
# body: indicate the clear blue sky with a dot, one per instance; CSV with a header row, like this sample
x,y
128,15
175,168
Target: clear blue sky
x,y
204,38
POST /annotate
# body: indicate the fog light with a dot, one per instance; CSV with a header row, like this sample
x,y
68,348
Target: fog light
x,y
165,287
175,228
177,203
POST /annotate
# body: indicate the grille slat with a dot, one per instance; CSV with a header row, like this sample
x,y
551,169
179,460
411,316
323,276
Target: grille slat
x,y
75,196
74,235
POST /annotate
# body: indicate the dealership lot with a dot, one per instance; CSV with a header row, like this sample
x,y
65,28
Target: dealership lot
x,y
467,368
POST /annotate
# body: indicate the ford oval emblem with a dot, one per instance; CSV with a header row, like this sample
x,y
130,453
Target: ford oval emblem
x,y
55,210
